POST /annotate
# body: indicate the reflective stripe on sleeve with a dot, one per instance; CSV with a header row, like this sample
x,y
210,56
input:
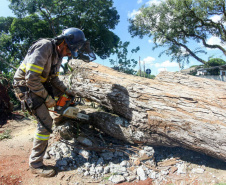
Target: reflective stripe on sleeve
x,y
34,68
42,137
43,79
57,73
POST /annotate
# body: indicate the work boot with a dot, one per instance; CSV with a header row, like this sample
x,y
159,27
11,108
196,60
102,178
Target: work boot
x,y
43,171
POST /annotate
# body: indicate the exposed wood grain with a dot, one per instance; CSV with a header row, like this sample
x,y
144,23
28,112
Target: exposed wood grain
x,y
172,110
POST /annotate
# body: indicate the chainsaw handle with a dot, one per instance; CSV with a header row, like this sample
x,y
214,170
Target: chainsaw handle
x,y
72,98
66,105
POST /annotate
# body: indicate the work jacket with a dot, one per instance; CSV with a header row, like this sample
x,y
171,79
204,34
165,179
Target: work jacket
x,y
41,64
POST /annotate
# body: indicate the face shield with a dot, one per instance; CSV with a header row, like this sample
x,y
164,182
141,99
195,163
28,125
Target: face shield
x,y
85,53
74,48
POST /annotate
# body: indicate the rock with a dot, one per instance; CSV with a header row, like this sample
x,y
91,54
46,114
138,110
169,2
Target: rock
x,y
100,161
58,156
164,172
73,154
84,141
150,162
116,170
46,156
181,168
141,173
65,131
87,165
84,153
106,169
126,174
130,178
62,163
150,150
52,152
147,153
153,174
86,173
137,162
117,179
99,169
197,170
125,164
107,155
123,169
120,154
65,149
92,170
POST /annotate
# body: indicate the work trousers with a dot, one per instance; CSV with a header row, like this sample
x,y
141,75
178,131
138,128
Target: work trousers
x,y
41,137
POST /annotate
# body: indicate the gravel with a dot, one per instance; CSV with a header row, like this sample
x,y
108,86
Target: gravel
x,y
124,165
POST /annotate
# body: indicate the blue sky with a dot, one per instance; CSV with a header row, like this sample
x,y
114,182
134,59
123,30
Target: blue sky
x,y
126,9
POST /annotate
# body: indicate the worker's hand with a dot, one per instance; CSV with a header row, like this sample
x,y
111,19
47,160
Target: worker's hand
x,y
69,92
50,102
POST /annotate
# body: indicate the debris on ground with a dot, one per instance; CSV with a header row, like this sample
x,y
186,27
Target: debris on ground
x,y
107,160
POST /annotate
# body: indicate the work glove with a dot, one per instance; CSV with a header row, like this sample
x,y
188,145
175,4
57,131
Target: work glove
x,y
50,102
69,92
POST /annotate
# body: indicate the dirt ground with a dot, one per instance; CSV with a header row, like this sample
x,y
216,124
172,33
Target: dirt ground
x,y
14,155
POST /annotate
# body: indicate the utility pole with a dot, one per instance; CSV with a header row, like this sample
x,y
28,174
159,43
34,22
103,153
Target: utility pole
x,y
139,66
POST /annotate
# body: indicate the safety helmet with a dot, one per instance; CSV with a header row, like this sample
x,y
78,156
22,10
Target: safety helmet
x,y
77,44
75,39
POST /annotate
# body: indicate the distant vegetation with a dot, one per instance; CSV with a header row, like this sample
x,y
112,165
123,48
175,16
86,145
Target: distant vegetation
x,y
173,23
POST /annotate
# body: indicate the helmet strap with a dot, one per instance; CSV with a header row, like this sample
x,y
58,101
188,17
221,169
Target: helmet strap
x,y
61,43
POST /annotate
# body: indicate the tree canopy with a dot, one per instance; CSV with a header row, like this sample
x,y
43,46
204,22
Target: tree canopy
x,y
173,23
94,17
47,18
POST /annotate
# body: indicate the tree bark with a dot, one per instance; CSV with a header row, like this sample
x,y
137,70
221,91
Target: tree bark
x,y
172,110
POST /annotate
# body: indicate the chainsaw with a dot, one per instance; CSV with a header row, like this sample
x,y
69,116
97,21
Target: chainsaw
x,y
66,106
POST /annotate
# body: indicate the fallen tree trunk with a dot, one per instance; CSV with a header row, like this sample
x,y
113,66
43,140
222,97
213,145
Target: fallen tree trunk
x,y
172,110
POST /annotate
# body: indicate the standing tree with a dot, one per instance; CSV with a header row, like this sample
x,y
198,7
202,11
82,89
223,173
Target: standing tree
x,y
94,17
173,23
122,62
47,18
213,64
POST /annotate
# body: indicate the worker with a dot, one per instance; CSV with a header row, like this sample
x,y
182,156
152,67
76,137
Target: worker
x,y
36,83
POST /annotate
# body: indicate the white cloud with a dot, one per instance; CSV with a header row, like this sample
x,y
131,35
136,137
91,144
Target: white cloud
x,y
216,18
215,40
162,69
150,41
167,63
149,60
139,1
151,2
133,13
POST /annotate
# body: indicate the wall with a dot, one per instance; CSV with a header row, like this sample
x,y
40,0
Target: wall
x,y
214,77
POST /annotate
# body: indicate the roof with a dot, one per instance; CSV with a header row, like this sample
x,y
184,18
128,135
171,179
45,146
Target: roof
x,y
214,67
188,70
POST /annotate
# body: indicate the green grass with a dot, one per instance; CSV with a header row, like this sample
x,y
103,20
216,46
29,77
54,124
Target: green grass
x,y
5,135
